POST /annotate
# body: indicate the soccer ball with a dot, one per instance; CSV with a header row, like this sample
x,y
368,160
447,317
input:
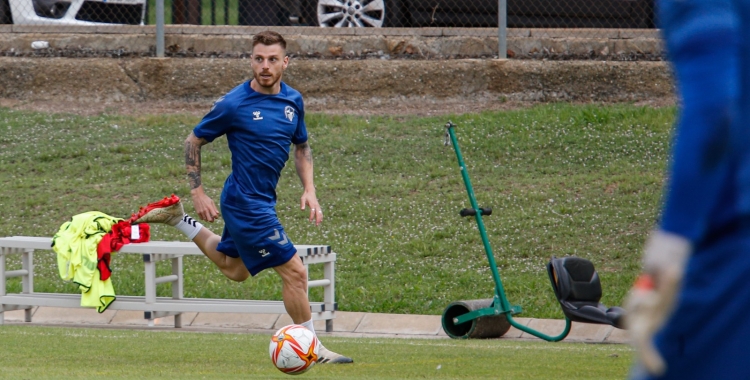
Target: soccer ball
x,y
294,349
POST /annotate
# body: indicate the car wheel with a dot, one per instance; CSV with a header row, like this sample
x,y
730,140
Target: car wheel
x,y
358,13
5,17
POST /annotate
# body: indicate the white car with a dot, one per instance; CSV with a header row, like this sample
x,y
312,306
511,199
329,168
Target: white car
x,y
72,12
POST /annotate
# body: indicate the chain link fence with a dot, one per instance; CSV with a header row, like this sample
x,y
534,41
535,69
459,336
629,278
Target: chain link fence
x,y
555,29
594,14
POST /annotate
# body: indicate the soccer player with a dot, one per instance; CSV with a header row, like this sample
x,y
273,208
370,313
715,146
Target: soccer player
x,y
261,118
688,313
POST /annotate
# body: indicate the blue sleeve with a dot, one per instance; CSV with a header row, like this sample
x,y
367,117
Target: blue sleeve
x,y
704,59
217,121
300,134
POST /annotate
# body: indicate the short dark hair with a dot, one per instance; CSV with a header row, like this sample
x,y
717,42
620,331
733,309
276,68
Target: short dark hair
x,y
269,38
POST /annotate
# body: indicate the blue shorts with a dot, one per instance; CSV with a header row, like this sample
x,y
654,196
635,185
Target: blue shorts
x,y
256,237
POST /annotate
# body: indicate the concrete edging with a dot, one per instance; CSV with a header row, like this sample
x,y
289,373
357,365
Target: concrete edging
x,y
346,324
421,43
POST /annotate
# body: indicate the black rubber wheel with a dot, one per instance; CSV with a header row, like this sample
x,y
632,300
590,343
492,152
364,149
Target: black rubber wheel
x,y
487,327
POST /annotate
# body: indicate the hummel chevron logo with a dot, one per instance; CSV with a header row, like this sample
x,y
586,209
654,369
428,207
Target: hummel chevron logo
x,y
277,236
187,219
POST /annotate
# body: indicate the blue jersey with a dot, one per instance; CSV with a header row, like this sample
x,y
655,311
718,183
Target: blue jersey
x,y
260,129
709,180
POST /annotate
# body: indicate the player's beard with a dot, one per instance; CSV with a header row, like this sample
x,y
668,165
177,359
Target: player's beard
x,y
267,82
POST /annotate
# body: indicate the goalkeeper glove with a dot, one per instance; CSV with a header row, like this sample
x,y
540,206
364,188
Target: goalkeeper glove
x,y
653,296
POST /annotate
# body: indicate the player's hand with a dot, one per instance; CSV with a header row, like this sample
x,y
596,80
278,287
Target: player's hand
x,y
204,205
653,296
316,214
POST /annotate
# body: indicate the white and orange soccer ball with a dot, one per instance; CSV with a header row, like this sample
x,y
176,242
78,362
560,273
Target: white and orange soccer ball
x,y
294,349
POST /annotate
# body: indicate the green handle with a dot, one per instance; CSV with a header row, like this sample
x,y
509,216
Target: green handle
x,y
499,290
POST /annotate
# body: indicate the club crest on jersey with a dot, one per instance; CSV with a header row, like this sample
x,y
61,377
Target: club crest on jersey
x,y
256,115
289,113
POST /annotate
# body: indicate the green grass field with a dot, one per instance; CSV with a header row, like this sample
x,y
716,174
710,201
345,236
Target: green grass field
x,y
561,179
29,352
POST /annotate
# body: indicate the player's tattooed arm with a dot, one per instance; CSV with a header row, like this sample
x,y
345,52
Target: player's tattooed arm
x,y
193,146
304,163
305,151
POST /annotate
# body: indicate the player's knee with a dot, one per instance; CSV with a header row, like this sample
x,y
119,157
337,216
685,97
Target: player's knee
x,y
233,268
238,275
298,278
235,272
294,274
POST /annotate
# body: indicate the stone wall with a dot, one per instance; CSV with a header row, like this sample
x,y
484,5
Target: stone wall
x,y
148,79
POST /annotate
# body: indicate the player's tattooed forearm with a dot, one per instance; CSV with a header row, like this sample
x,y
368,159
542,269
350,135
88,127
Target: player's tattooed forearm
x,y
306,151
195,179
193,163
192,154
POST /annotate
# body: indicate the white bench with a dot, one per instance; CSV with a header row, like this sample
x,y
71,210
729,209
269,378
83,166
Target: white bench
x,y
153,306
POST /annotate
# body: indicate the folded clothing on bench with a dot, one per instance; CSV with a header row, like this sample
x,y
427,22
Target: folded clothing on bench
x,y
84,245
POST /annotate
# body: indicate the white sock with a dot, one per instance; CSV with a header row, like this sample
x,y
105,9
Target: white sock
x,y
189,226
309,325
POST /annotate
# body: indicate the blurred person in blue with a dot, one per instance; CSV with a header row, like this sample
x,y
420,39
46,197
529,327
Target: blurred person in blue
x,y
688,313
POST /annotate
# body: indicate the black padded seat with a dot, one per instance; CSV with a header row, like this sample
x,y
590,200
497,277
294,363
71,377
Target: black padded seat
x,y
579,290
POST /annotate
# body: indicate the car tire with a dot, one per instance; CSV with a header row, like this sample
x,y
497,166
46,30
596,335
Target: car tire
x,y
391,14
5,16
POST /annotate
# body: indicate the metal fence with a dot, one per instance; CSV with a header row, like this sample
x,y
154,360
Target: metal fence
x,y
587,17
338,13
415,13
